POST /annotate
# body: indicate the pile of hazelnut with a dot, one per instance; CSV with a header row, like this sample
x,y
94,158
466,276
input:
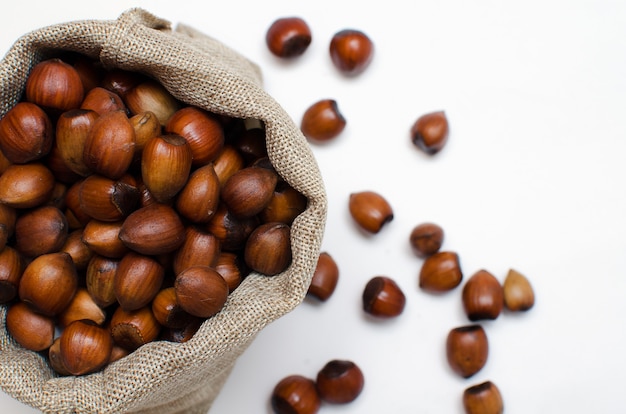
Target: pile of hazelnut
x,y
126,215
483,296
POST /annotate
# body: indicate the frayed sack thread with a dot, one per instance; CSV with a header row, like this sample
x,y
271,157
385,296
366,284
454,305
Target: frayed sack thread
x,y
164,377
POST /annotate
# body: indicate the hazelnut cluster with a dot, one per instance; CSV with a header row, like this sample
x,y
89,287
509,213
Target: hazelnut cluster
x,y
127,215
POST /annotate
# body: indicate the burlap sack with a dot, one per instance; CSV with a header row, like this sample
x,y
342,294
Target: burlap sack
x,y
163,377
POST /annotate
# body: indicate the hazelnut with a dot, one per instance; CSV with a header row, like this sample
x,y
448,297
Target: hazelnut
x,y
55,85
325,277
201,291
200,196
518,292
137,281
467,349
85,347
102,101
370,210
351,51
295,394
151,96
80,253
26,133
100,280
26,185
232,268
440,272
102,237
30,329
232,232
82,306
268,249
482,296
132,329
322,121
248,191
54,357
383,298
227,162
11,267
426,239
153,230
146,126
483,398
200,248
430,132
121,81
339,382
168,312
40,231
72,129
165,166
202,130
285,205
288,37
104,199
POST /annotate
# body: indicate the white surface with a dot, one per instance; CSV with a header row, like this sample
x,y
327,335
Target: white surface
x,y
533,177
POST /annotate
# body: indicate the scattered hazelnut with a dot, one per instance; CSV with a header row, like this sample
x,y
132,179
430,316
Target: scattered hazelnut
x,y
339,382
295,394
370,210
440,272
518,292
426,239
322,121
351,51
325,277
382,297
483,398
430,132
467,349
482,296
288,37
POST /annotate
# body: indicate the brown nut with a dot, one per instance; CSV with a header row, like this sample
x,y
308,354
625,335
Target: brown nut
x,y
54,357
165,166
295,394
55,85
201,291
137,281
82,307
30,329
232,268
250,142
132,329
146,126
202,130
351,51
426,239
80,253
325,277
440,272
11,267
85,347
100,280
110,145
200,248
49,283
89,71
430,132
168,312
285,205
232,232
518,292
383,298
249,190
102,101
483,398
41,231
121,81
26,133
151,96
102,238
370,210
340,381
482,296
26,185
288,37
467,349
153,230
322,121
72,129
199,198
268,249
105,199
227,162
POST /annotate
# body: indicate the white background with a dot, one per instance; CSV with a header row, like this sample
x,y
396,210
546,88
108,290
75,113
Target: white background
x,y
533,177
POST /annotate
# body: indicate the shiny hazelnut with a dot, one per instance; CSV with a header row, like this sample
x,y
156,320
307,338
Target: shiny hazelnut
x,y
482,296
102,101
55,85
80,253
30,329
132,329
200,248
137,281
518,292
383,298
102,238
168,312
322,121
325,277
85,347
151,96
26,133
295,394
153,230
104,199
248,191
202,130
483,398
426,239
165,166
49,283
100,280
232,232
351,51
227,162
467,349
440,272
117,353
199,198
82,306
339,382
26,185
40,231
110,145
76,217
268,249
370,210
430,132
146,126
286,204
232,268
11,266
288,37
54,357
201,291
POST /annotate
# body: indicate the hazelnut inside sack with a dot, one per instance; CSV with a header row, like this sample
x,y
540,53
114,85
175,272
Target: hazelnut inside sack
x,y
198,70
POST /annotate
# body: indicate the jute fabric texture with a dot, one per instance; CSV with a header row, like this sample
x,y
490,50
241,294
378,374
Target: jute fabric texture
x,y
164,377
